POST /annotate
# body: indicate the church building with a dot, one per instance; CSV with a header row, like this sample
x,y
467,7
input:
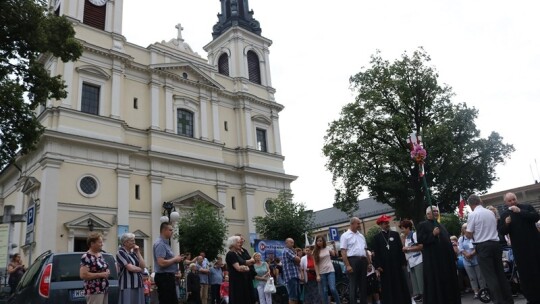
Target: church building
x,y
146,125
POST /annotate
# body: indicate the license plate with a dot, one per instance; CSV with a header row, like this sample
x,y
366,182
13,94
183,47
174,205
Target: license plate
x,y
77,294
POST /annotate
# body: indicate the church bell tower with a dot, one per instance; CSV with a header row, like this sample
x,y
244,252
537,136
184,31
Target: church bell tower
x,y
238,49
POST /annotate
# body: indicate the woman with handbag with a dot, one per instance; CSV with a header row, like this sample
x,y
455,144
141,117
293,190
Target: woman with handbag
x,y
261,278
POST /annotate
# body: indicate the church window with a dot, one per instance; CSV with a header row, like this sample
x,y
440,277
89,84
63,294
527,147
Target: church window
x,y
137,192
94,15
90,99
233,203
88,186
135,103
254,68
261,140
223,64
269,206
185,122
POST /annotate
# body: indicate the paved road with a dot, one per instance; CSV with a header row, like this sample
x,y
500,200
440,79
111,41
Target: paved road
x,y
468,299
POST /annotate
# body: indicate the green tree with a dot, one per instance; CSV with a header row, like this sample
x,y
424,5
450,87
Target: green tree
x,y
452,223
370,235
203,228
285,219
367,146
28,34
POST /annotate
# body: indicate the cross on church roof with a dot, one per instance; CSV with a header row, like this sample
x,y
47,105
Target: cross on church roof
x,y
180,29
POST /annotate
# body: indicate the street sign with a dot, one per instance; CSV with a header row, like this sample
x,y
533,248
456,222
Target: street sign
x,y
30,218
334,234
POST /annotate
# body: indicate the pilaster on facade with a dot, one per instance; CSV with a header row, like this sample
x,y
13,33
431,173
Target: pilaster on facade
x,y
50,177
154,93
203,105
222,194
169,111
249,197
68,81
123,176
156,182
248,126
276,131
215,119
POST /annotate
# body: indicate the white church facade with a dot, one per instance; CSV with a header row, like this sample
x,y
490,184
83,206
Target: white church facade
x,y
146,125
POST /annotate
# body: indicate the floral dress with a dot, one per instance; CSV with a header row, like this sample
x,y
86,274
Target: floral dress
x,y
95,264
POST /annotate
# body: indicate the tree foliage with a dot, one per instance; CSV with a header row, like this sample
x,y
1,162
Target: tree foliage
x,y
370,235
367,146
203,228
28,33
285,219
452,223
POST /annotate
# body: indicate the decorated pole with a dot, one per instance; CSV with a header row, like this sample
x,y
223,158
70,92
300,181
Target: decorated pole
x,y
419,154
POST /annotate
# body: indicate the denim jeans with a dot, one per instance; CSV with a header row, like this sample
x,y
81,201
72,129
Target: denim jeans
x,y
329,280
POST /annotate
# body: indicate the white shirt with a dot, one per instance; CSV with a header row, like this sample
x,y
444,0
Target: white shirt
x,y
483,224
354,242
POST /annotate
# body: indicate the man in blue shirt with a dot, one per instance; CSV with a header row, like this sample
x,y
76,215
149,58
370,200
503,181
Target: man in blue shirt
x,y
166,265
203,276
216,278
290,271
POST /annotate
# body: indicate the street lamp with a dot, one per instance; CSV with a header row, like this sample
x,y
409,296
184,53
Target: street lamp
x,y
169,213
90,224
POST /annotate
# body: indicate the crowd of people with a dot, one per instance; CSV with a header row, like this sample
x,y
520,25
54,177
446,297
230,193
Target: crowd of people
x,y
425,264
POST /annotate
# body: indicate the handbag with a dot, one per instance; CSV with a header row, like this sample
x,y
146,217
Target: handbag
x,y
269,287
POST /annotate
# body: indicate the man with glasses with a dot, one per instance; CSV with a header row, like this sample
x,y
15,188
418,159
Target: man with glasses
x,y
439,259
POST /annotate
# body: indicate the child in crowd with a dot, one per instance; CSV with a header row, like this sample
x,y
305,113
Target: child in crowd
x,y
224,289
147,287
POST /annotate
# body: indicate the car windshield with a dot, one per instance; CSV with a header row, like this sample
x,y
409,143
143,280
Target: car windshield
x,y
66,267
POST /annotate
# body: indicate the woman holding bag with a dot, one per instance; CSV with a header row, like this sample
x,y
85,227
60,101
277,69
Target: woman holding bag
x,y
263,274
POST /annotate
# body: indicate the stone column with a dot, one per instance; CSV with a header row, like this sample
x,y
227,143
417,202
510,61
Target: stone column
x,y
249,198
154,93
267,73
117,17
249,132
47,219
215,120
204,116
123,196
68,78
277,136
116,92
169,114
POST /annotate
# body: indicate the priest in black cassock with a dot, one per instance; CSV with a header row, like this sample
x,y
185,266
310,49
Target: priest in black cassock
x,y
518,220
389,261
440,273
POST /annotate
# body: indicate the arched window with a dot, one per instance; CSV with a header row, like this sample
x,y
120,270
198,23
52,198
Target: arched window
x,y
184,123
254,68
223,64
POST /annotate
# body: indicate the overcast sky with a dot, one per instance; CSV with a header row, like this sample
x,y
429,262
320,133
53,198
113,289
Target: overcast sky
x,y
488,51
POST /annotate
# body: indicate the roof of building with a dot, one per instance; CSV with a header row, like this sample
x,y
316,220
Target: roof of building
x,y
366,208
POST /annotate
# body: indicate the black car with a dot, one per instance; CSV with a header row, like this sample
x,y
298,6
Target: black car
x,y
54,278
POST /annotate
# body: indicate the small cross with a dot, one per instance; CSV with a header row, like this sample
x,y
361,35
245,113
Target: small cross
x,y
180,29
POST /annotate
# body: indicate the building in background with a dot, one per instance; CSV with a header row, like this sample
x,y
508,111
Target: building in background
x,y
146,125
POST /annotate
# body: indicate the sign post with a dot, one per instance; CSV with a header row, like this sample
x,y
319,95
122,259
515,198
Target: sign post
x,y
334,234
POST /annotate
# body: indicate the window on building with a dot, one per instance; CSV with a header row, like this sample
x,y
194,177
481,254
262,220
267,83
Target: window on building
x,y
223,64
79,245
94,15
226,126
135,103
261,140
137,192
184,123
233,203
90,99
254,68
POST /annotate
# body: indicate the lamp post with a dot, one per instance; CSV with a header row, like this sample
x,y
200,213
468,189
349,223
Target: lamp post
x,y
90,224
172,216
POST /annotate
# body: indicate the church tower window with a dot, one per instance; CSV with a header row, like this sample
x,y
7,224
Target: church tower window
x,y
261,140
90,99
184,122
254,68
94,15
223,64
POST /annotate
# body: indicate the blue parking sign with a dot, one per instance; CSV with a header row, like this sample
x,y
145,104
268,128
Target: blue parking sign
x,y
334,234
30,214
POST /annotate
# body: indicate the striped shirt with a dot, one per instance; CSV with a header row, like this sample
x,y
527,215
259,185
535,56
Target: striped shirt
x,y
126,278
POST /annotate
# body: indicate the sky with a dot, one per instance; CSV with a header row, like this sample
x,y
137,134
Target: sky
x,y
487,51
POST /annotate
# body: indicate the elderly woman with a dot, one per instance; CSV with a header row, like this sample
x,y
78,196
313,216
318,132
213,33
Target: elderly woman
x,y
240,285
95,271
470,262
263,274
131,265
